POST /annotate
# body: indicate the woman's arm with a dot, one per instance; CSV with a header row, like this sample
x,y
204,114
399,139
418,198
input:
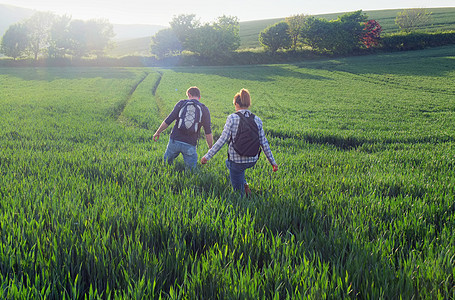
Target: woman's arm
x,y
225,135
265,146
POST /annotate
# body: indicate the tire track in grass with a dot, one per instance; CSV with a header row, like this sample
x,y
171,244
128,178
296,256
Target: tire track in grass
x,y
157,83
127,121
119,112
158,100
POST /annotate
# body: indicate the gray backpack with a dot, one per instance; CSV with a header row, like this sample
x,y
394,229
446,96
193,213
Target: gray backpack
x,y
190,116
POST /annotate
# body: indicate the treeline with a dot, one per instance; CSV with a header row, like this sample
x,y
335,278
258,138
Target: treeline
x,y
298,36
59,40
186,33
48,35
218,40
347,34
352,33
416,40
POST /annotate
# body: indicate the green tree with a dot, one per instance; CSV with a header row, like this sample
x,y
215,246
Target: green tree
x,y
99,35
209,40
296,23
77,34
205,41
316,33
38,28
183,25
276,37
350,31
322,35
341,36
15,41
229,28
90,37
165,43
412,19
217,39
60,42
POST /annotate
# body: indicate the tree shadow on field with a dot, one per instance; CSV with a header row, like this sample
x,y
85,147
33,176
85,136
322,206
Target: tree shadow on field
x,y
356,143
262,73
435,62
69,73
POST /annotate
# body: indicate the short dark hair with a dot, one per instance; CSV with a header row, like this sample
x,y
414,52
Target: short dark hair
x,y
194,91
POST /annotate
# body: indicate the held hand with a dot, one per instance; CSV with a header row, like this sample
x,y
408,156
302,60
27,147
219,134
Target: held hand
x,y
156,137
275,168
204,160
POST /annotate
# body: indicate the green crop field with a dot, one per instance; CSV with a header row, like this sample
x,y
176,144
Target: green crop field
x,y
361,207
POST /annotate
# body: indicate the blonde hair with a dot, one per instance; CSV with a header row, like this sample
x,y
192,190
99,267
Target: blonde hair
x,y
243,98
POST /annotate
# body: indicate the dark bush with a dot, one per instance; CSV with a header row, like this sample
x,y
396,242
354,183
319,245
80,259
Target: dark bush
x,y
416,40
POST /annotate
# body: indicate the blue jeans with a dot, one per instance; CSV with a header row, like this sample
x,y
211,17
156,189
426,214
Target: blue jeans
x,y
174,148
237,174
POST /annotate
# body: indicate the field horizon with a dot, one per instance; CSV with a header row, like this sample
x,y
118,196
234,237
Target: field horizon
x,y
361,207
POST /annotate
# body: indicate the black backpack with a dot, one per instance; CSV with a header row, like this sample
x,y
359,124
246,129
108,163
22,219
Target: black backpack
x,y
190,115
246,141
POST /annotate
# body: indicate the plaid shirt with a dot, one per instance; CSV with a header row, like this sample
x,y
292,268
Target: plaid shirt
x,y
230,130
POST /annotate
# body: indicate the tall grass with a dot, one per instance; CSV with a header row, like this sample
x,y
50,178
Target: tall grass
x,y
362,206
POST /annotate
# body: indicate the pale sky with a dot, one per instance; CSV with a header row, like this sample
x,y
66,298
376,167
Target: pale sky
x,y
160,12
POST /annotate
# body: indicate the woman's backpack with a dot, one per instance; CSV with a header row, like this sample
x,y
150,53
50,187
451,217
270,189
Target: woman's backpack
x,y
246,141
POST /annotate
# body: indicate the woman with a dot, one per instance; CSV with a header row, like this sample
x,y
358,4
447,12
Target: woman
x,y
236,163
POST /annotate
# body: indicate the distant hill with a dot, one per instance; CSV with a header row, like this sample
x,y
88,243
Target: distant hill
x,y
11,14
133,31
249,31
139,47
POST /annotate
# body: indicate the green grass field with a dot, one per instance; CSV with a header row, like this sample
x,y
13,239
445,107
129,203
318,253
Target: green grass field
x,y
362,206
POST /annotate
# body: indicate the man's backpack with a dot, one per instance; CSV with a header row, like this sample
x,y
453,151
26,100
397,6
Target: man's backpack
x,y
246,141
190,116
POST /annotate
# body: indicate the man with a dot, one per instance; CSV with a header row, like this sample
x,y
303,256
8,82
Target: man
x,y
190,115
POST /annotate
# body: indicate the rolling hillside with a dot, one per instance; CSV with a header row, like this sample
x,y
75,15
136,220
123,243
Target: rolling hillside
x,y
11,14
443,19
134,31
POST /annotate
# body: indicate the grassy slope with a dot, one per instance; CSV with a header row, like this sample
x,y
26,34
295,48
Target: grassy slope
x,y
443,19
140,46
12,14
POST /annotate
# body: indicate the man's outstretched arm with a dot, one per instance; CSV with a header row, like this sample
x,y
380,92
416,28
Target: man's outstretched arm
x,y
160,129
